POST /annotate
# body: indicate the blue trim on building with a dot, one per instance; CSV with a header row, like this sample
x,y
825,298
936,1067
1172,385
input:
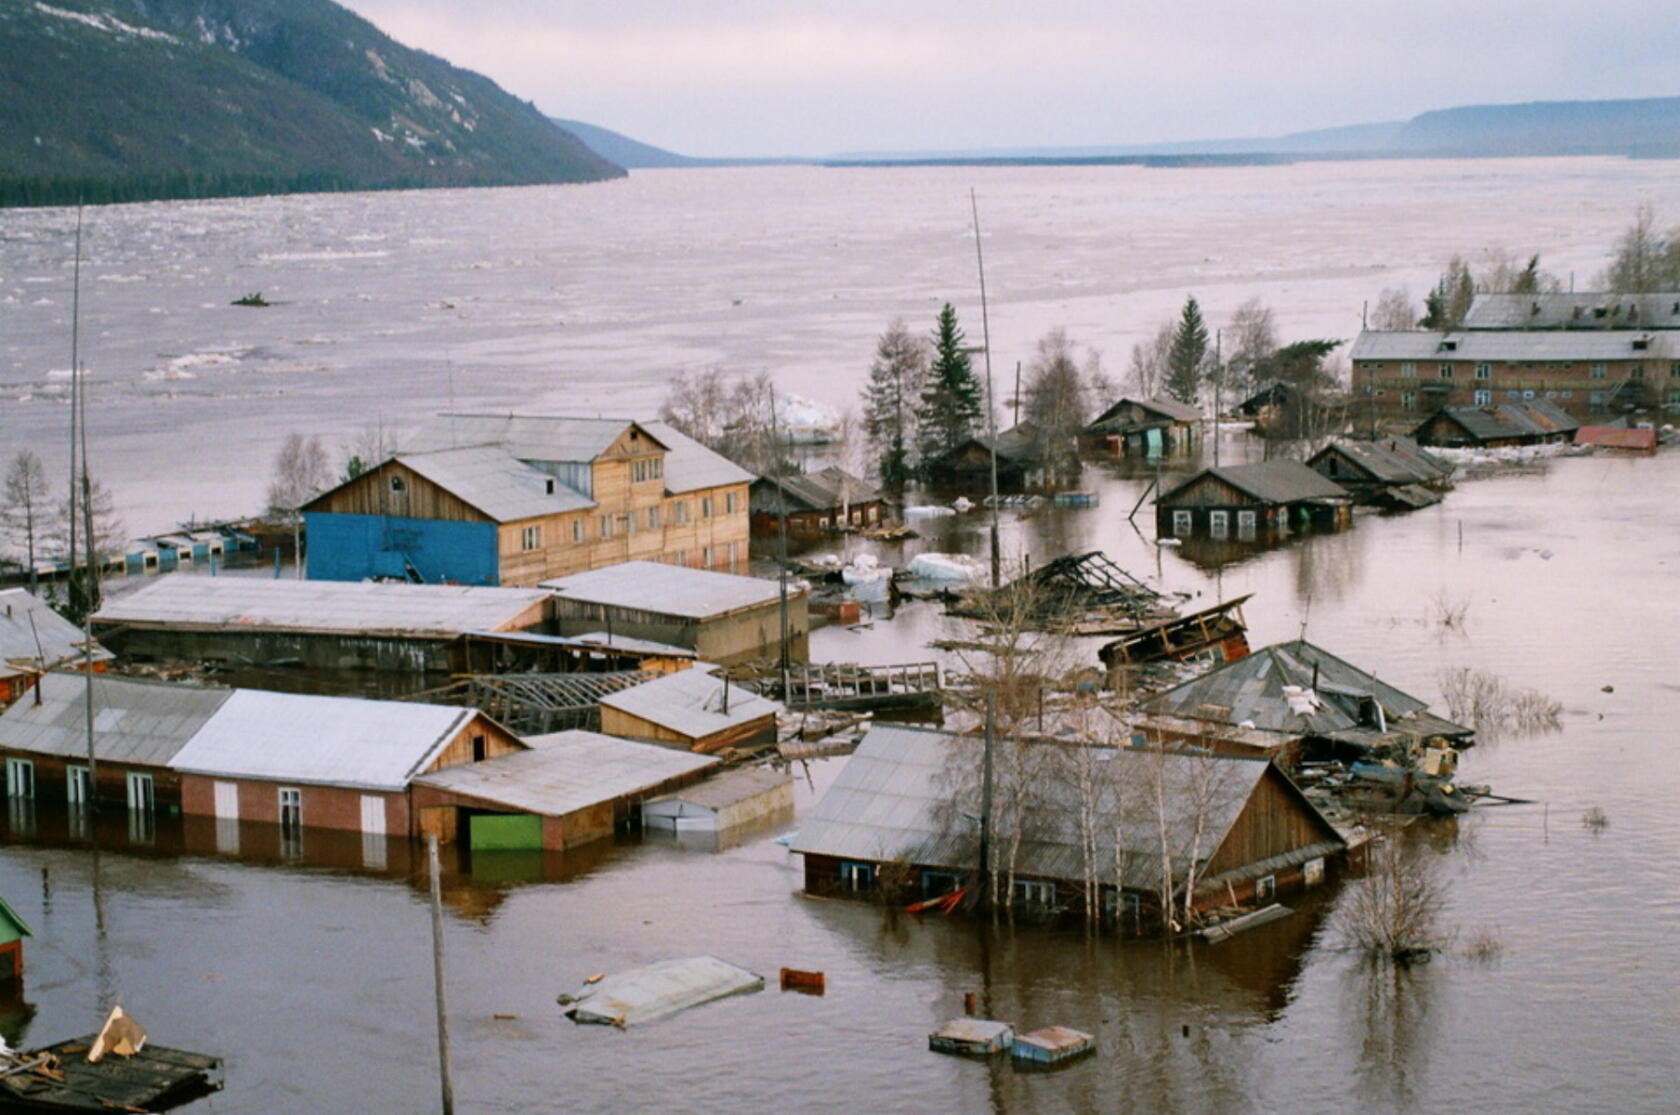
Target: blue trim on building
x,y
356,547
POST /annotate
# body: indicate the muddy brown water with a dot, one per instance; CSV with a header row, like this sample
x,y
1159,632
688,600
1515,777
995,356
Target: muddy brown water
x,y
308,967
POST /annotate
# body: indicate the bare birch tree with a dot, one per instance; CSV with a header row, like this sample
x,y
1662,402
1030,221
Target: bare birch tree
x,y
24,503
1147,372
1394,311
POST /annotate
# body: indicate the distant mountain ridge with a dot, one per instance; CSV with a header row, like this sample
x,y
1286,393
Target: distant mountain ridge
x,y
636,155
126,99
1643,128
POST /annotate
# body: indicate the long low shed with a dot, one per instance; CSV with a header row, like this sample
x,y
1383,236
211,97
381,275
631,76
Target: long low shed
x,y
321,624
570,788
722,617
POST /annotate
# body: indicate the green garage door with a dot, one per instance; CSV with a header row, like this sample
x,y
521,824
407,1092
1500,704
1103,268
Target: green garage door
x,y
491,832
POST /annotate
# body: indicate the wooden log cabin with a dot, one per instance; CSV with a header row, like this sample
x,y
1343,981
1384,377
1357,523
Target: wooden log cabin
x,y
1251,503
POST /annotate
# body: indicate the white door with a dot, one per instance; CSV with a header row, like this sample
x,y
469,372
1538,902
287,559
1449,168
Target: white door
x,y
227,801
373,814
140,798
77,786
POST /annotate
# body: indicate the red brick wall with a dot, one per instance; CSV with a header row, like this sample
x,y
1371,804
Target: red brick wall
x,y
324,807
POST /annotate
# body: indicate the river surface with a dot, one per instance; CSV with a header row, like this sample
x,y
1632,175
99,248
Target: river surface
x,y
308,967
587,299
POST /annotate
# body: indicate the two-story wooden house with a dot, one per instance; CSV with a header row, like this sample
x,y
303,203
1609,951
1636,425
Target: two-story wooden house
x,y
514,499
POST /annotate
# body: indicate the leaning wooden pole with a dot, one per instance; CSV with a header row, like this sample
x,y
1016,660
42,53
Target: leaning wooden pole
x,y
991,402
437,976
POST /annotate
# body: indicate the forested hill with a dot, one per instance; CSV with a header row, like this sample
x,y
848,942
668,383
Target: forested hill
x,y
1647,127
119,100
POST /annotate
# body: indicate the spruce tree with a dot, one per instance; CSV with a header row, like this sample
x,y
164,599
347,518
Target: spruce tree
x,y
951,403
890,400
1188,354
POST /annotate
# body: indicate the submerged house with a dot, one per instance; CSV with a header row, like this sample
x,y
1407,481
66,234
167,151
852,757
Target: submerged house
x,y
696,709
899,816
512,499
720,616
1146,427
816,503
1251,502
568,789
321,624
35,639
138,728
1392,471
1291,702
1025,461
344,763
1536,422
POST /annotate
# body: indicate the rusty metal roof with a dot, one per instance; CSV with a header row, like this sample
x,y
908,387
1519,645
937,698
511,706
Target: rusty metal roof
x,y
912,794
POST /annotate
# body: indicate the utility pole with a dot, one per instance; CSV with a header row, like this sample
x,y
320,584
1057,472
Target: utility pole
x,y
447,1084
1218,382
991,402
781,544
986,799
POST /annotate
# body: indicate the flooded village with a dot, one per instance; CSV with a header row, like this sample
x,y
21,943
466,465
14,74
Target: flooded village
x,y
1271,739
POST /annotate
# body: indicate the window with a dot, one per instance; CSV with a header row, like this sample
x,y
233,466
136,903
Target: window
x,y
1408,400
1408,371
1246,523
531,537
141,799
291,809
1034,892
479,749
1445,371
653,518
732,554
606,526
681,558
648,468
77,786
1596,398
577,530
1674,371
729,503
1637,372
1183,522
1265,888
1598,371
1484,371
629,522
679,512
706,557
859,877
1484,397
20,778
398,484
705,507
1219,524
936,883
1312,872
1674,398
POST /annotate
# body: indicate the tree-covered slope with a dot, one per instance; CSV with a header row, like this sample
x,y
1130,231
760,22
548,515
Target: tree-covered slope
x,y
118,99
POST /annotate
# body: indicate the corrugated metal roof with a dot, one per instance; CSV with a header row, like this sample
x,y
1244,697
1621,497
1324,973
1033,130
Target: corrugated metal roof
x,y
1269,482
691,703
1393,460
567,771
723,790
1511,345
59,639
349,607
496,482
672,590
663,988
690,466
1251,690
332,741
906,794
1538,417
1574,310
134,721
1170,409
813,491
529,437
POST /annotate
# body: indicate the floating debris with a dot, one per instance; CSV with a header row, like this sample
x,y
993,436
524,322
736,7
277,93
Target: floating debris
x,y
972,1037
657,990
1053,1045
113,1070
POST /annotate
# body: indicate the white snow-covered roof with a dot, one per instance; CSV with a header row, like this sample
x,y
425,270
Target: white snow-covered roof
x,y
333,741
496,482
691,703
672,590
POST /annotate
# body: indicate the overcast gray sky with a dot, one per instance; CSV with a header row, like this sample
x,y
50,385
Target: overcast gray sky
x,y
796,77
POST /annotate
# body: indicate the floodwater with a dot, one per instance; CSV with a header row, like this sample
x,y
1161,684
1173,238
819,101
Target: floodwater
x,y
308,966
587,299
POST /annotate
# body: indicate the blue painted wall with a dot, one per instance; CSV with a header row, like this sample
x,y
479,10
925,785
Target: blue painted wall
x,y
355,547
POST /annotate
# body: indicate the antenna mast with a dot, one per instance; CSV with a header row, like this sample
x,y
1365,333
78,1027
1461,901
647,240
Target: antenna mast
x,y
991,402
